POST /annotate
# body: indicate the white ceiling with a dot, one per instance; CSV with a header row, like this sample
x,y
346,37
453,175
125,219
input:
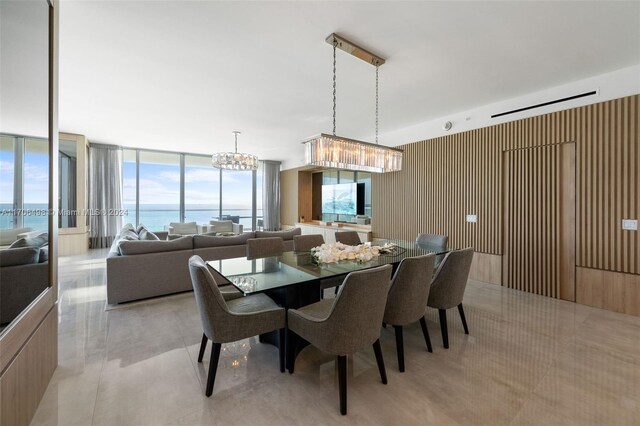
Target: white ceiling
x,y
179,75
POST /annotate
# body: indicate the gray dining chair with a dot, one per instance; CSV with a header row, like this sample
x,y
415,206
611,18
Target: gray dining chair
x,y
231,320
228,290
350,238
264,247
346,324
407,300
448,285
307,242
434,241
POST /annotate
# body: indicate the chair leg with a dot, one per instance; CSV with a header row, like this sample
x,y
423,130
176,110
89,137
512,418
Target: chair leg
x,y
342,381
213,367
281,346
425,333
399,347
291,350
378,351
464,320
443,327
203,346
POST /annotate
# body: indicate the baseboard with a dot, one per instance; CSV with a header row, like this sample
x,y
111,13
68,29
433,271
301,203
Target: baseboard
x,y
613,291
487,268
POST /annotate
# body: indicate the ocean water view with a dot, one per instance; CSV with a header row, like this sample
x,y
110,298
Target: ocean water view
x,y
34,216
154,216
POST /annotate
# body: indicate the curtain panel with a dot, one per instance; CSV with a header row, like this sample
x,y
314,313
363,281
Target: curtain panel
x,y
105,194
271,195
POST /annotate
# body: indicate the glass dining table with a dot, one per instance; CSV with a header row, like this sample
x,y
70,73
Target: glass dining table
x,y
293,279
298,268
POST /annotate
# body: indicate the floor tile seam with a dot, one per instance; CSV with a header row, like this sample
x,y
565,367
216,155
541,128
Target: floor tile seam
x,y
95,402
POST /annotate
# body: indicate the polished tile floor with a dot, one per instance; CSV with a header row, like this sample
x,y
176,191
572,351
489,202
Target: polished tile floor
x,y
528,360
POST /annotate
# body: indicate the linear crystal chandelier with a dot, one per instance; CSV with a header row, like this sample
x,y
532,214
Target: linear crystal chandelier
x,y
234,160
342,153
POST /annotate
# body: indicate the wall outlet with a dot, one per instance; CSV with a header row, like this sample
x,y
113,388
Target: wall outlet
x,y
472,218
630,224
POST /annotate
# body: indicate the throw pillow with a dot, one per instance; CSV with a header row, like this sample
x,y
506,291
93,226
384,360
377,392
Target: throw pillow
x,y
37,241
147,235
129,234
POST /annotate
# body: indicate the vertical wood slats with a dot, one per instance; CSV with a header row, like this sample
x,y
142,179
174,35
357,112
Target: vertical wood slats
x,y
532,220
448,177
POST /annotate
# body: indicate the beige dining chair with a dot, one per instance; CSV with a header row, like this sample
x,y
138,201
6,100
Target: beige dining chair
x,y
448,285
346,324
407,300
350,238
231,320
307,242
264,247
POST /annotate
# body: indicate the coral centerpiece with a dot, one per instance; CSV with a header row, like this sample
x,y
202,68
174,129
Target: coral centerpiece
x,y
335,252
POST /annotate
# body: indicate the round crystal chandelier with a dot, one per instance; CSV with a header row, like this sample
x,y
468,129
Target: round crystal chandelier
x,y
234,160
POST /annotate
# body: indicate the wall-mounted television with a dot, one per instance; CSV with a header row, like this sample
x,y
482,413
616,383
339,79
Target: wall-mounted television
x,y
343,198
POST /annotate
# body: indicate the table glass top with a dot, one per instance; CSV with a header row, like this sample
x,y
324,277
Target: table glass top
x,y
259,275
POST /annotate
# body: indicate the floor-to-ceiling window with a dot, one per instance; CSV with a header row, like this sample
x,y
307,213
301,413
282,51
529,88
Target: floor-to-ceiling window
x,y
163,187
129,185
7,155
201,189
237,196
158,189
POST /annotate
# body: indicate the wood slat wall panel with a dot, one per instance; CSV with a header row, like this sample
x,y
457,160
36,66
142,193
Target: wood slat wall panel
x,y
448,177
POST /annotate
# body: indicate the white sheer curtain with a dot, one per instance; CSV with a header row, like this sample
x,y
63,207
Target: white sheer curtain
x,y
105,194
271,195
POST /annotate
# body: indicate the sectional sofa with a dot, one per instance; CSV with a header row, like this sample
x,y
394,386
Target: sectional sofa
x,y
139,269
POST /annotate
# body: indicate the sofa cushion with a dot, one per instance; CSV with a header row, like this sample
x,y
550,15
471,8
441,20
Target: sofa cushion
x,y
44,254
37,241
143,247
19,256
201,241
285,235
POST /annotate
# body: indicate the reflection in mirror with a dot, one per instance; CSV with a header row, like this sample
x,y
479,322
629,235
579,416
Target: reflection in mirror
x,y
24,155
67,201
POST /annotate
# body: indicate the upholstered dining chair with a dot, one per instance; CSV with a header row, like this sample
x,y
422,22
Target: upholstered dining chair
x,y
346,324
264,247
228,290
408,298
350,238
436,241
448,285
307,242
232,320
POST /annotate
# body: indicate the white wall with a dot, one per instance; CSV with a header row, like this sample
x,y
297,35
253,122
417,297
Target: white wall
x,y
613,85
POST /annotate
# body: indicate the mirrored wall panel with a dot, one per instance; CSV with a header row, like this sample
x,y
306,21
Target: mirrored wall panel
x,y
24,155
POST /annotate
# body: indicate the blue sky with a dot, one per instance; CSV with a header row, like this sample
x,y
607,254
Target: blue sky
x,y
160,184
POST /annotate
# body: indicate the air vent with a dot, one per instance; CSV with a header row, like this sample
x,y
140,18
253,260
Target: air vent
x,y
557,101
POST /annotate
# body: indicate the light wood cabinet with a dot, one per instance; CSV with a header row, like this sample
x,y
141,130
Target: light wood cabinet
x,y
328,231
